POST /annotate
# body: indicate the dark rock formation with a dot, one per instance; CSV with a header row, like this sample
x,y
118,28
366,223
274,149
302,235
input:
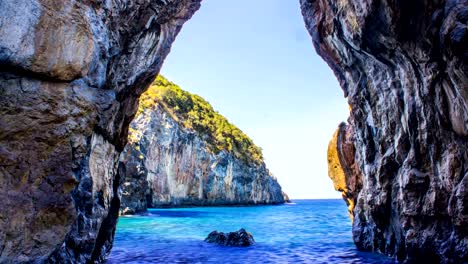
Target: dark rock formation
x,y
403,67
70,76
239,238
168,164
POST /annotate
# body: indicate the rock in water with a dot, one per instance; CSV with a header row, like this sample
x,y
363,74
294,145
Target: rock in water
x,y
401,162
70,77
239,238
286,198
179,155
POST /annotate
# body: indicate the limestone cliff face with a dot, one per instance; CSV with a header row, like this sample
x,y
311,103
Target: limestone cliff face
x,y
170,165
70,76
403,67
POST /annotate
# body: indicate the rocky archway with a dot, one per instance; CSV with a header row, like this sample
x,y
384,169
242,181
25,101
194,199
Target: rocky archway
x,y
72,72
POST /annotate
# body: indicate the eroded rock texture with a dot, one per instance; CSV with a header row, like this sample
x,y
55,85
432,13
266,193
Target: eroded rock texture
x,y
403,67
71,74
170,165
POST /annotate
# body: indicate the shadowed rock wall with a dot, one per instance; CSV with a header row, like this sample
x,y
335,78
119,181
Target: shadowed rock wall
x,y
403,67
71,74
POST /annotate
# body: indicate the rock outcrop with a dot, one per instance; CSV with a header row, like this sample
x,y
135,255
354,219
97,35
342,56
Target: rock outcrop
x,y
168,164
71,73
403,67
342,167
240,238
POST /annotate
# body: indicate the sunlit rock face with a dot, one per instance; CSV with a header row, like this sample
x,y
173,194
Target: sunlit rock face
x,y
170,165
71,74
342,168
403,67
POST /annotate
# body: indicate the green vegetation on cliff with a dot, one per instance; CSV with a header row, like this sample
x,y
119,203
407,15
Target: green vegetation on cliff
x,y
195,113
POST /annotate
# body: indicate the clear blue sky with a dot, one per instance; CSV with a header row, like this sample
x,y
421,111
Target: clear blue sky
x,y
255,63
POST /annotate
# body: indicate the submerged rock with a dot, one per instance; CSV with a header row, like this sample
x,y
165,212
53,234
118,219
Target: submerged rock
x,y
401,162
168,162
239,238
71,73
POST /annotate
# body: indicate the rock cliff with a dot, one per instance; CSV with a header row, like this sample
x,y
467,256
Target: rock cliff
x,y
71,73
167,163
401,161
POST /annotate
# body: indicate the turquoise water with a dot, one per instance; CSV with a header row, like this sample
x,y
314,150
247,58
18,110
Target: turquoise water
x,y
307,231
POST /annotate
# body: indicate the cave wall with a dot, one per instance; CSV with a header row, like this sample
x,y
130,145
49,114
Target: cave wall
x,y
71,73
403,66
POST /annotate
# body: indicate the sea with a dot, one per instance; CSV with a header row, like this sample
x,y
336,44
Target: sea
x,y
304,231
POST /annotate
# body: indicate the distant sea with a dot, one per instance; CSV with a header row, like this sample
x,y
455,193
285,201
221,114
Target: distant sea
x,y
305,231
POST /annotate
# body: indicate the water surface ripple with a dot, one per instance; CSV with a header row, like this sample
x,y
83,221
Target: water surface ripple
x,y
307,231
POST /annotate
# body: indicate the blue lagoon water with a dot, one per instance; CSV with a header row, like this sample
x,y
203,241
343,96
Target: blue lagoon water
x,y
307,231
